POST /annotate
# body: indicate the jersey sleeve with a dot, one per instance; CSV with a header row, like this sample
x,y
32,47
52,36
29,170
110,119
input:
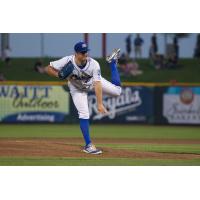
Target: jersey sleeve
x,y
59,64
97,72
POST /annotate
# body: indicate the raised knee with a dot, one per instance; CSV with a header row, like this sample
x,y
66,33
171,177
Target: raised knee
x,y
118,91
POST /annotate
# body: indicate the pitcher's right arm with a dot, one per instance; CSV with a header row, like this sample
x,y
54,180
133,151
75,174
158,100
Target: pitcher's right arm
x,y
51,71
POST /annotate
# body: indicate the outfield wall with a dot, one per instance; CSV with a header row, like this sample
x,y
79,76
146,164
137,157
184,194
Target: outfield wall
x,y
50,102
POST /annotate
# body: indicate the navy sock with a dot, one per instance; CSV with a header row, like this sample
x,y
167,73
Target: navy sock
x,y
84,125
115,79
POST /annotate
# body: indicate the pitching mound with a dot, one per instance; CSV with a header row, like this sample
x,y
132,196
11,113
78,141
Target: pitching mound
x,y
70,147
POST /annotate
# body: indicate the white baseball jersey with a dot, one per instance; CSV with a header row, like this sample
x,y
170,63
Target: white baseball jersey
x,y
81,78
81,81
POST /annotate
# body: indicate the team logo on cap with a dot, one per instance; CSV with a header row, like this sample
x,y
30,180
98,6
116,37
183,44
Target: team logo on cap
x,y
84,45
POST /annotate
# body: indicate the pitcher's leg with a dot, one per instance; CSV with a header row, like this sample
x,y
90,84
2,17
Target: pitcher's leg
x,y
112,88
115,78
112,60
81,103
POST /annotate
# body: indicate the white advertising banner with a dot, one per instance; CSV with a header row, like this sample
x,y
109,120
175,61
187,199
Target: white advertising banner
x,y
181,105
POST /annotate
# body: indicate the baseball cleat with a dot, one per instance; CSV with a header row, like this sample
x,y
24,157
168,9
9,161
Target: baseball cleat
x,y
114,55
91,149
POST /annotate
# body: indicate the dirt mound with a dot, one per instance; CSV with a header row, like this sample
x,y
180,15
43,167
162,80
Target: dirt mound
x,y
70,147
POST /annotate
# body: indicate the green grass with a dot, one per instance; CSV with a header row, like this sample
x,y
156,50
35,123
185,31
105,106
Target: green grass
x,y
100,131
95,162
186,72
160,148
22,70
106,131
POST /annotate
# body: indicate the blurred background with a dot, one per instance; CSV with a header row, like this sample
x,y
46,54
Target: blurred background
x,y
61,44
160,75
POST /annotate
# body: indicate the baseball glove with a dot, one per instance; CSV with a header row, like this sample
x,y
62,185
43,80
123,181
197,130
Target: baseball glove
x,y
66,71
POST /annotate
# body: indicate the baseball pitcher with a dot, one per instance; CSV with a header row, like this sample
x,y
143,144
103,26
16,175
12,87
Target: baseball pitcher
x,y
83,74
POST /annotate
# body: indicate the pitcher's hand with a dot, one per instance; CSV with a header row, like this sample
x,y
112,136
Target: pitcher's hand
x,y
102,109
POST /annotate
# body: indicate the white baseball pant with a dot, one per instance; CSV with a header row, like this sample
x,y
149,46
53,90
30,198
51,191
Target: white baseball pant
x,y
80,98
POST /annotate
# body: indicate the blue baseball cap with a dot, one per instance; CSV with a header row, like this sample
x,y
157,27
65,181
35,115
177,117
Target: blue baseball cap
x,y
81,47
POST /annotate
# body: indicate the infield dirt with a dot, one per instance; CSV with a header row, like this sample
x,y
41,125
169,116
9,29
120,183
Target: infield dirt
x,y
70,147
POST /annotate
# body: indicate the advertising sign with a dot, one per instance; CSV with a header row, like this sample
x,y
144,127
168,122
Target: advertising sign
x,y
181,105
135,104
27,103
